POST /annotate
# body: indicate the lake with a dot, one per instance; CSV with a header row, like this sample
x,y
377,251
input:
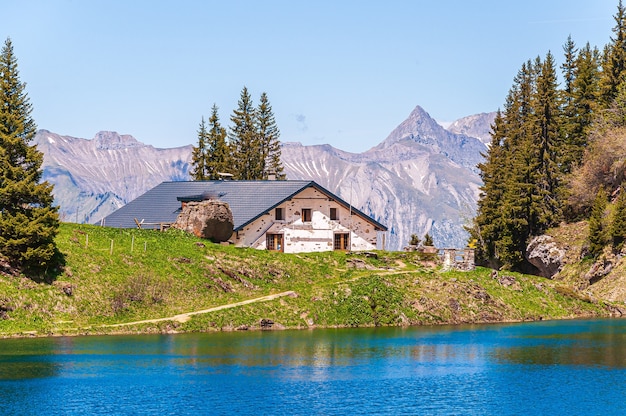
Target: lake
x,y
541,368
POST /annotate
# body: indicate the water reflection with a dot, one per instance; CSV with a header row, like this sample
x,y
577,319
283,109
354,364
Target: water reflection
x,y
27,358
489,369
576,343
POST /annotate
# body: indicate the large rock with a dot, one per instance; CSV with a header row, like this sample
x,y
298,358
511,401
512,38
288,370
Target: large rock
x,y
210,219
543,253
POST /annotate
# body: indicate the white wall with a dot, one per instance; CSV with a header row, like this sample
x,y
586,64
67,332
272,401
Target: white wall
x,y
316,235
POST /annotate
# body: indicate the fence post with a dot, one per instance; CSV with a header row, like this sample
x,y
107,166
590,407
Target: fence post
x,y
111,251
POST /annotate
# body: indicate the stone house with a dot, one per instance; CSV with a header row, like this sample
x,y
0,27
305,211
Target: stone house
x,y
288,216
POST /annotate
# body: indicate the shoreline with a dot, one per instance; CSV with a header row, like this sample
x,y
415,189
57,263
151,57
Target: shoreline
x,y
87,332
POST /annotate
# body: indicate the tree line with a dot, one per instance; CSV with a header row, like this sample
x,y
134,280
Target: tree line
x,y
553,150
249,151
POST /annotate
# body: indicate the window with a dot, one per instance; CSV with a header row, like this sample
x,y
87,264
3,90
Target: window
x,y
333,214
279,214
306,215
341,241
274,242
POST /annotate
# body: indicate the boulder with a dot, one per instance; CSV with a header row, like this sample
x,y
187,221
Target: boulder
x,y
210,219
543,253
601,267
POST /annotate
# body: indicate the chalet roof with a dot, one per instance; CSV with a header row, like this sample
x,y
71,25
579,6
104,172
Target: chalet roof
x,y
248,200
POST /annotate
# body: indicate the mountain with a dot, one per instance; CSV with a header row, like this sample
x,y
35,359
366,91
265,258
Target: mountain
x,y
93,178
477,125
421,178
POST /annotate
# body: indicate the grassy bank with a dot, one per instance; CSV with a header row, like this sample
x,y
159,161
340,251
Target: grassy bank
x,y
114,277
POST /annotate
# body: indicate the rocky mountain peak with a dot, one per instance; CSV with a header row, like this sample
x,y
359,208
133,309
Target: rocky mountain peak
x,y
419,121
420,133
110,140
477,125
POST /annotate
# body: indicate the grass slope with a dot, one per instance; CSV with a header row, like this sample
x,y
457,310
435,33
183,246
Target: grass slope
x,y
114,276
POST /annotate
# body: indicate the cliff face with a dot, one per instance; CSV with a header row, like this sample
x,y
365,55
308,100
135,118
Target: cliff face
x,y
421,179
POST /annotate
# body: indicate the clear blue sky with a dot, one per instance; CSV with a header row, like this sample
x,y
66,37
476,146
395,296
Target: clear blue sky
x,y
341,72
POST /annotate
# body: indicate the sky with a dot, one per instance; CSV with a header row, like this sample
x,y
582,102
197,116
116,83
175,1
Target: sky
x,y
339,72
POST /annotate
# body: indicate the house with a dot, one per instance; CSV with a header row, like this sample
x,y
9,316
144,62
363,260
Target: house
x,y
289,216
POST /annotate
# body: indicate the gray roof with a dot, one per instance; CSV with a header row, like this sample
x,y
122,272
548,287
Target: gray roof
x,y
248,200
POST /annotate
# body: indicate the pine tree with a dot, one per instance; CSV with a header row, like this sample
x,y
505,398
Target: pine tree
x,y
618,223
487,224
199,155
521,181
269,140
569,69
428,240
614,60
547,143
520,176
569,109
578,117
28,221
414,240
247,154
218,151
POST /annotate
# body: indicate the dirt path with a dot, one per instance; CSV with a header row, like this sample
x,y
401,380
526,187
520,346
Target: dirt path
x,y
184,317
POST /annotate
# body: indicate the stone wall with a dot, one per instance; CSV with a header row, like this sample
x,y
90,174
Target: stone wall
x,y
454,259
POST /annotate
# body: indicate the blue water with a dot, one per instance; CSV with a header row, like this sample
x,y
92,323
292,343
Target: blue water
x,y
544,368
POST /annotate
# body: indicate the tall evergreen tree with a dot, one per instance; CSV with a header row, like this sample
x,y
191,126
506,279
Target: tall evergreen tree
x,y
269,140
515,206
218,151
546,205
246,150
569,109
199,155
28,221
618,223
614,60
521,180
487,225
581,111
569,68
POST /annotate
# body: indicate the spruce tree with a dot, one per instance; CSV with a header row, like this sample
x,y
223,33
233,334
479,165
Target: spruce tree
x,y
569,109
519,177
569,69
521,181
28,221
614,60
246,150
199,155
269,140
618,223
218,151
581,110
547,143
597,233
487,224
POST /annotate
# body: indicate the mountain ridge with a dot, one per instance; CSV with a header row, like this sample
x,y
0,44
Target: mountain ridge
x,y
421,178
